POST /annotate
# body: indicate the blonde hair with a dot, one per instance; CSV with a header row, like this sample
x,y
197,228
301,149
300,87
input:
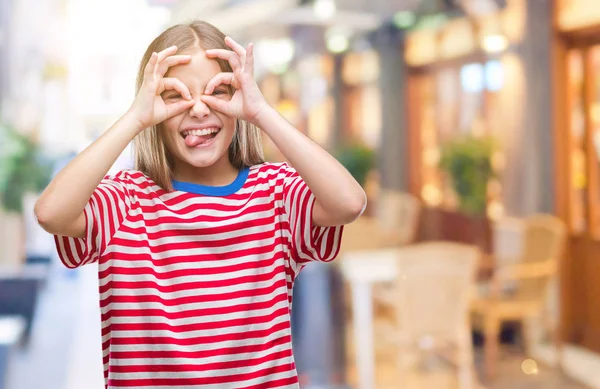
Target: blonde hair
x,y
151,155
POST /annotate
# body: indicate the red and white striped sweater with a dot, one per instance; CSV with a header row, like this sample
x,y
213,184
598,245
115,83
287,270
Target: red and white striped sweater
x,y
196,284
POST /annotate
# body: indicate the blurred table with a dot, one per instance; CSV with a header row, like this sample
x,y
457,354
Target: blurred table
x,y
362,269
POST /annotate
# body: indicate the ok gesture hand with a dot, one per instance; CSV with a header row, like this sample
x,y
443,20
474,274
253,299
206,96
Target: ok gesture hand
x,y
247,100
149,108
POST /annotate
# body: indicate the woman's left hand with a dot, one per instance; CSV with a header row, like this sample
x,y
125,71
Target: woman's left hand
x,y
247,100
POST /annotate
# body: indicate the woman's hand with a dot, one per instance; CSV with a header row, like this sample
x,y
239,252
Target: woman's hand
x,y
149,108
247,100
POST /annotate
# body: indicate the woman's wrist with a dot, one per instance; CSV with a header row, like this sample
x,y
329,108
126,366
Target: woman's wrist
x,y
131,123
264,116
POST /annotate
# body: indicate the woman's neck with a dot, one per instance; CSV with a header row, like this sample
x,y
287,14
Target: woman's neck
x,y
220,174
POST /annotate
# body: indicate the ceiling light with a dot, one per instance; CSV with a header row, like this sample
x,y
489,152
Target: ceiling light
x,y
275,54
337,39
494,43
337,44
324,9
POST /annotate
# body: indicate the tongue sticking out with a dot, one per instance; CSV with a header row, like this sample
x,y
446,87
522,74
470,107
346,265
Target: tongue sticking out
x,y
195,140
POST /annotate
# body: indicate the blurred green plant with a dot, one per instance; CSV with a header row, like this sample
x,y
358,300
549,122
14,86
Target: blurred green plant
x,y
468,163
23,168
358,159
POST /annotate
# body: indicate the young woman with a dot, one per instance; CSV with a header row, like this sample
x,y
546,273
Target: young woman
x,y
199,246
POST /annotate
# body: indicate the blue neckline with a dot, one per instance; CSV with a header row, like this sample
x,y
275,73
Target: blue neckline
x,y
208,190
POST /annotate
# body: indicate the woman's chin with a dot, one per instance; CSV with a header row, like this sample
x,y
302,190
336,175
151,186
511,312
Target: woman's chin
x,y
202,159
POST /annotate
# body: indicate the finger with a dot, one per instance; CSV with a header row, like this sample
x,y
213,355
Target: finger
x,y
151,65
219,79
172,60
227,55
170,83
178,107
249,65
215,103
166,52
236,47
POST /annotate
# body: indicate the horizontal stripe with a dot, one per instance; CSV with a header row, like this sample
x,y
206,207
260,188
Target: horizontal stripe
x,y
194,377
259,379
256,314
124,252
202,351
235,282
205,368
195,329
200,300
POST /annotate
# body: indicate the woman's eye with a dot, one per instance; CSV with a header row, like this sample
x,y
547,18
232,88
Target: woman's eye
x,y
173,97
219,92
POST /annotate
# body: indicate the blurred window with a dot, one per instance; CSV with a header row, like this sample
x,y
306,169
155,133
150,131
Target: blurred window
x,y
583,66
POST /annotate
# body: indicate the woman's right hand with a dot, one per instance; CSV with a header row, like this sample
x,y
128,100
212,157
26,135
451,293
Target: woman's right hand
x,y
149,108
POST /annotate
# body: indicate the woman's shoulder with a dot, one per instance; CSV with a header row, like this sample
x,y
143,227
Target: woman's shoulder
x,y
132,180
270,168
129,176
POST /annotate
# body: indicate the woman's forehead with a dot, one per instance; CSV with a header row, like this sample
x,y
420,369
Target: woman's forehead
x,y
199,67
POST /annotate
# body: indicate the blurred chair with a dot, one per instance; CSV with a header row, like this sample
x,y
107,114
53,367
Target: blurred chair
x,y
507,240
434,290
395,223
366,233
399,212
519,289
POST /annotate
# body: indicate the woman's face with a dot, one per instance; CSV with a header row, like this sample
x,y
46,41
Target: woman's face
x,y
198,137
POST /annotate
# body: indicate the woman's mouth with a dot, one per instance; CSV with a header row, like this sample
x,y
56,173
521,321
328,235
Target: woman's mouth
x,y
197,137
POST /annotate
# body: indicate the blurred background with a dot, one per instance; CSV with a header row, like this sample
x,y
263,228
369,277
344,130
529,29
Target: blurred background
x,y
474,126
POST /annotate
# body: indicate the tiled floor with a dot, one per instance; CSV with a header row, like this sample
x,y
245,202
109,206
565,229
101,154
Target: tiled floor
x,y
439,375
42,364
64,349
511,376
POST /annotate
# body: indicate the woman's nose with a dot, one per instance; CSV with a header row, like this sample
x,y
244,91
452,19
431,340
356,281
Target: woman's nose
x,y
199,109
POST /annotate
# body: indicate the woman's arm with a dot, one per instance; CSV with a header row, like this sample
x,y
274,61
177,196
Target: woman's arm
x,y
339,198
59,210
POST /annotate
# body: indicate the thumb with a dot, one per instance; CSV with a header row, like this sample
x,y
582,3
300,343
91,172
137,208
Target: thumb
x,y
216,103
